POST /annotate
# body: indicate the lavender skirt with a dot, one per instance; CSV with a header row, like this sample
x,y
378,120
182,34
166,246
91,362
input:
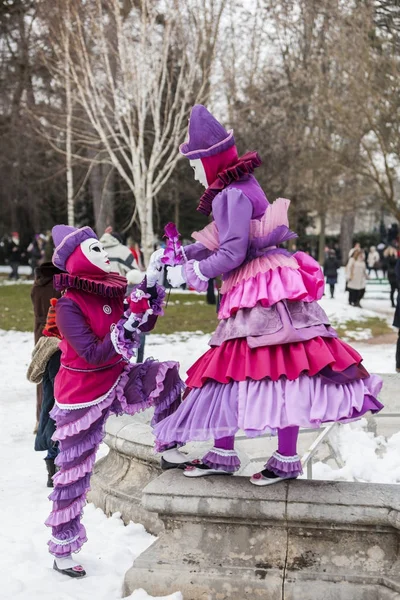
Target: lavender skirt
x,y
219,410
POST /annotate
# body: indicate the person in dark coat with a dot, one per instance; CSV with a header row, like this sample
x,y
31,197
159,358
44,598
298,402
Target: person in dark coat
x,y
14,255
41,293
331,266
390,260
43,369
396,321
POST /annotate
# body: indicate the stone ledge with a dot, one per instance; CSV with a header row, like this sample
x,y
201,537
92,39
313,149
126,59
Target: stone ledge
x,y
226,539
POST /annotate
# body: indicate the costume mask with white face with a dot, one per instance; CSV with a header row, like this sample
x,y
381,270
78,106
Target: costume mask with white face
x,y
199,172
96,254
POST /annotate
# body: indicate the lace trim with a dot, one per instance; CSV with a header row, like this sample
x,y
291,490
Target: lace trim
x,y
196,269
91,370
86,404
222,452
114,339
286,459
64,542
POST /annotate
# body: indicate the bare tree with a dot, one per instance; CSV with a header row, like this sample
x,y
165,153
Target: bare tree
x,y
136,69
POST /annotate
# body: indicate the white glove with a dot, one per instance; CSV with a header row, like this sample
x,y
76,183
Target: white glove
x,y
175,276
155,267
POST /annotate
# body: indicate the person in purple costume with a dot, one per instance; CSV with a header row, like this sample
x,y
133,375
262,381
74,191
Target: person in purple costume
x,y
96,378
275,363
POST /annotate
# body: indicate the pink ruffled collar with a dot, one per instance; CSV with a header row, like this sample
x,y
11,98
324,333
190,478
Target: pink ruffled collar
x,y
244,166
111,286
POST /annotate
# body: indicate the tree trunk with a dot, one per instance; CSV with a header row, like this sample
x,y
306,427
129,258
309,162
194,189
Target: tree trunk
x,y
346,234
146,228
321,249
102,190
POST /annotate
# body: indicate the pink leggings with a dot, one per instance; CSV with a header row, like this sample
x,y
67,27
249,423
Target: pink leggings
x,y
287,441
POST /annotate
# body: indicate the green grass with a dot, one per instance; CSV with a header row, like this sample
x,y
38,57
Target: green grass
x,y
16,310
185,312
377,325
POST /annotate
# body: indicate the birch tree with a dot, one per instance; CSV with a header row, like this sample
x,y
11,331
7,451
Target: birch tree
x,y
136,67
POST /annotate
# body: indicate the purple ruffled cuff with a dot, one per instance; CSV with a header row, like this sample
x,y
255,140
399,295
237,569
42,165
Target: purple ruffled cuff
x,y
285,466
68,540
194,276
222,460
122,345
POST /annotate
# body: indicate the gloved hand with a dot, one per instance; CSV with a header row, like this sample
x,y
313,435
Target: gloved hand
x,y
155,267
175,276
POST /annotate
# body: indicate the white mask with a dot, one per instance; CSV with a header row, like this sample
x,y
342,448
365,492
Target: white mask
x,y
96,254
199,172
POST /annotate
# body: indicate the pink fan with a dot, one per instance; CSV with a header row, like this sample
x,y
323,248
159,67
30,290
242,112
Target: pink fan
x,y
173,254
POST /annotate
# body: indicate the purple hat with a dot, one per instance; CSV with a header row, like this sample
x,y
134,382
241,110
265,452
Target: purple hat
x,y
206,136
66,239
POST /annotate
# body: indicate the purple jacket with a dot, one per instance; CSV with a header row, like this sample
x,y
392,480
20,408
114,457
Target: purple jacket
x,y
233,209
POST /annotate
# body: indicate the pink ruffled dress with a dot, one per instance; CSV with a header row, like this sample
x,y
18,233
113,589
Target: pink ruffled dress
x,y
275,362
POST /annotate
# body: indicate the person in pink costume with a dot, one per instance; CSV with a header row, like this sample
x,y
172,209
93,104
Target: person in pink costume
x,y
275,363
96,379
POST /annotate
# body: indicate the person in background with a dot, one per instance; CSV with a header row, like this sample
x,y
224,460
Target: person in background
x,y
381,263
120,257
354,248
389,261
48,247
14,255
41,293
356,274
43,370
331,266
373,259
36,251
135,249
396,321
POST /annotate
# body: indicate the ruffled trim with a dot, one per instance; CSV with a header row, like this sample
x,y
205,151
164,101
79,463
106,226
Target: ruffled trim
x,y
112,286
244,166
235,361
194,278
64,515
71,491
93,414
92,440
66,548
164,367
122,345
306,284
262,264
66,476
222,462
157,303
220,410
285,466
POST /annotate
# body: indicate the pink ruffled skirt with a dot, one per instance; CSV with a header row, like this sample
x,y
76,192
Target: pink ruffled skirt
x,y
275,361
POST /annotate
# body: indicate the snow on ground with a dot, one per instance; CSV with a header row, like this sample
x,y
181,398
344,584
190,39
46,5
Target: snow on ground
x,y
25,562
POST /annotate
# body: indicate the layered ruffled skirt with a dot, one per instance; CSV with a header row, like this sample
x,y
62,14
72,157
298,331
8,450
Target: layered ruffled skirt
x,y
275,361
79,433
